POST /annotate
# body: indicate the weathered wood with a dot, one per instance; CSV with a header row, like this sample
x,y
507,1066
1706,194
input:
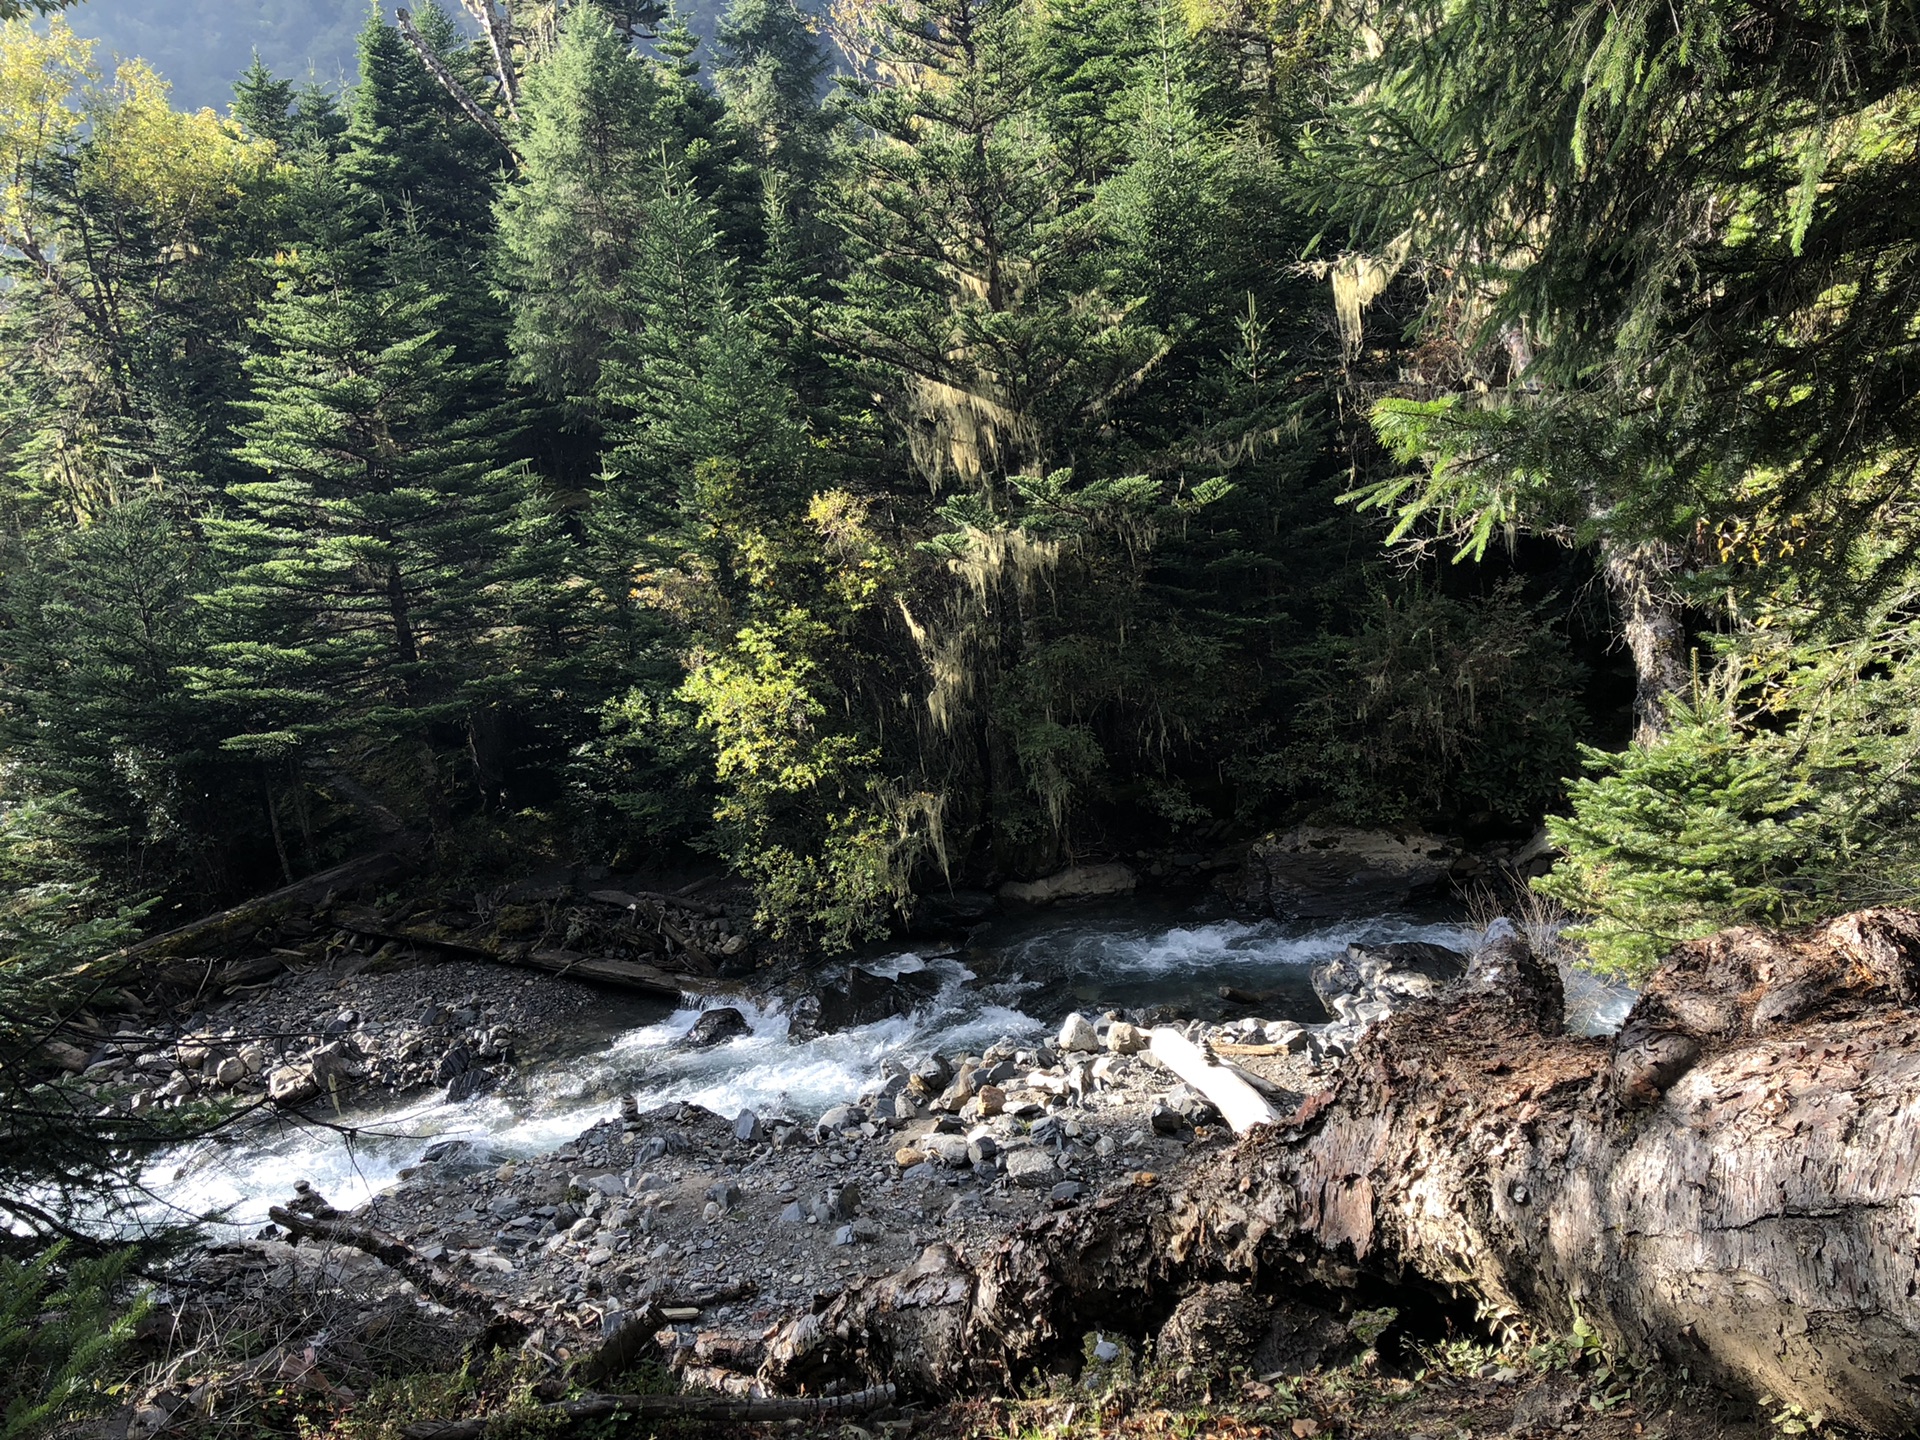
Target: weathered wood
x,y
631,899
448,82
1230,1091
665,1407
1731,1184
429,1279
627,974
239,922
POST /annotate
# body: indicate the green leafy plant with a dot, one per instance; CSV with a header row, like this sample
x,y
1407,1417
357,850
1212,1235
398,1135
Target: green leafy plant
x,y
1788,1418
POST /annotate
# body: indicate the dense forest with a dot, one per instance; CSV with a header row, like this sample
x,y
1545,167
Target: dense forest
x,y
596,444
580,441
934,443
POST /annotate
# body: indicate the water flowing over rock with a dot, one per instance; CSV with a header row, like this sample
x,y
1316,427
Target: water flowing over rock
x,y
715,1027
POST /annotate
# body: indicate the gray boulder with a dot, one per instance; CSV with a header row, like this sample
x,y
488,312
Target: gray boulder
x,y
714,1027
1318,872
1388,976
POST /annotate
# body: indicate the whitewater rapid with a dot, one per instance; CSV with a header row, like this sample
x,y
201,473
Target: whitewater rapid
x,y
1015,981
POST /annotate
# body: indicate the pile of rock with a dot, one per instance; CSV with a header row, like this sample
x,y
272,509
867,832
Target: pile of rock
x,y
679,1203
317,1033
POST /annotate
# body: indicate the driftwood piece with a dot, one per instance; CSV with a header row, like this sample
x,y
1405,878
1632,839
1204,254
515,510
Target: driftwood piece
x,y
1229,1090
1731,1184
429,1279
667,1407
687,945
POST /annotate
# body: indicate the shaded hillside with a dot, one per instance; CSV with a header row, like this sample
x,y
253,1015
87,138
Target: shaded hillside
x,y
203,45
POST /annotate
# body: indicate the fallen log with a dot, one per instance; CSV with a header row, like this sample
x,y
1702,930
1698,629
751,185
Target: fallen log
x,y
631,899
1731,1184
626,974
239,922
663,1407
686,944
426,1277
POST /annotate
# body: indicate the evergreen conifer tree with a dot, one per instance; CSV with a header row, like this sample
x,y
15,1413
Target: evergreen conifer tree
x,y
408,147
570,227
360,595
264,103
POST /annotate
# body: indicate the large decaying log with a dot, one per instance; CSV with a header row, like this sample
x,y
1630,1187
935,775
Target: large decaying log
x,y
1732,1184
603,970
238,923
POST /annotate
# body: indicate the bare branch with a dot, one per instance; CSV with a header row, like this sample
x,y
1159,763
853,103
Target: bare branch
x,y
498,25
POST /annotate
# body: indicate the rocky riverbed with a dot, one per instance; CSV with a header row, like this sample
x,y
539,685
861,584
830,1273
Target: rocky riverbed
x,y
360,1028
716,1223
724,1226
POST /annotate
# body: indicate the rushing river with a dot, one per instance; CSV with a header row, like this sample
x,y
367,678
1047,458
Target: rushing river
x,y
1016,978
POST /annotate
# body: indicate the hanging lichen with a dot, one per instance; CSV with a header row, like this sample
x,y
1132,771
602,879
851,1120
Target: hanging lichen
x,y
960,436
1358,280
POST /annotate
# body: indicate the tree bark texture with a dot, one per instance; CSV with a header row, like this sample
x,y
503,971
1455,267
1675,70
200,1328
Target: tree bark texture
x,y
1656,636
1732,1184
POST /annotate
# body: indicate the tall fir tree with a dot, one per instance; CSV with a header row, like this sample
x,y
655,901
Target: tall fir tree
x,y
361,599
570,228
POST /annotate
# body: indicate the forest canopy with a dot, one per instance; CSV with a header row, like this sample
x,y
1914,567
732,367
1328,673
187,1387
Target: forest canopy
x,y
1095,427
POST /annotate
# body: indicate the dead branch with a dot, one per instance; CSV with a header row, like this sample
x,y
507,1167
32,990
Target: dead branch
x,y
675,1407
498,28
426,1277
451,84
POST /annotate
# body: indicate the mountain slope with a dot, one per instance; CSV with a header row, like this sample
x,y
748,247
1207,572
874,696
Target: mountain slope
x,y
203,45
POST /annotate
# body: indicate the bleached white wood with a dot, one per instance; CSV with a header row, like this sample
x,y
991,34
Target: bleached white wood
x,y
1243,1106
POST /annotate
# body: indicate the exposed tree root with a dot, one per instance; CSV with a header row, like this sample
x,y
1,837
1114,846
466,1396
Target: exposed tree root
x,y
1731,1184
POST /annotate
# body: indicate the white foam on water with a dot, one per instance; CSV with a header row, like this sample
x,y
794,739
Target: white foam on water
x,y
242,1173
1123,950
